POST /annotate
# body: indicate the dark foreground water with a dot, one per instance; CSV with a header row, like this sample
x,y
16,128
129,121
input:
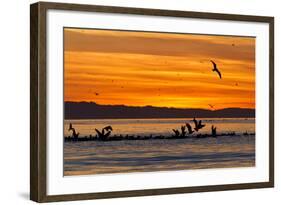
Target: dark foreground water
x,y
99,157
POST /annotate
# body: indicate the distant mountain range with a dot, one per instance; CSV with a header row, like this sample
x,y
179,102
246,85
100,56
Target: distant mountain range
x,y
91,110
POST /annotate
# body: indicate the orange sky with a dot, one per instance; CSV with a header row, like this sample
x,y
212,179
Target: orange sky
x,y
158,69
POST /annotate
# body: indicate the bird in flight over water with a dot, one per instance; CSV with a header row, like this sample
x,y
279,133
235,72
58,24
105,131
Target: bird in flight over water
x,y
215,69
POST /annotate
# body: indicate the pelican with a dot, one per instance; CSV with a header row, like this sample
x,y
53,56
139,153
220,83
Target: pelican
x,y
214,131
70,127
198,125
177,133
189,128
215,69
108,128
74,134
104,135
183,132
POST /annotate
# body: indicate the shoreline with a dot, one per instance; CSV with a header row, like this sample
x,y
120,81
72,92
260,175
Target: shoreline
x,y
151,137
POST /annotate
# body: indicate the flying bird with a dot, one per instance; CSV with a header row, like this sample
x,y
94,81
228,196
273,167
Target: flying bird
x,y
104,135
198,125
189,128
215,69
211,106
108,128
96,93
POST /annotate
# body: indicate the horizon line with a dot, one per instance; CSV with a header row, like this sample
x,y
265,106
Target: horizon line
x,y
181,108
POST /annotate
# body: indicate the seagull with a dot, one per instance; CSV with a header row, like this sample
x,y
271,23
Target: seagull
x,y
190,131
215,69
211,106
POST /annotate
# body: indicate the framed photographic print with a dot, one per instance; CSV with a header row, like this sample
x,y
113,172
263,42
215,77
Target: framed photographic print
x,y
134,102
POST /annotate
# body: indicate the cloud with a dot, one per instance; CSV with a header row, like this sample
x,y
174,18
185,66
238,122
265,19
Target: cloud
x,y
160,44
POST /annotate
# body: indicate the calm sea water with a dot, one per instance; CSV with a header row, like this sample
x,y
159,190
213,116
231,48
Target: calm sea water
x,y
100,157
159,126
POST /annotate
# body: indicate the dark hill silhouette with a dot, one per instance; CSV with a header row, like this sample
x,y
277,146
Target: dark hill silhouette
x,y
91,110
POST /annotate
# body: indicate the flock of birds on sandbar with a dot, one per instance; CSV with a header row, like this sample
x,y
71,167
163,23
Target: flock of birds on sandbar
x,y
104,134
197,126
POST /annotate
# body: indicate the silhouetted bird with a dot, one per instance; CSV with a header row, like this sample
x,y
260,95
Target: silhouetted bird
x,y
108,128
177,133
211,106
183,132
74,134
96,93
104,135
215,69
214,131
189,128
198,125
70,127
